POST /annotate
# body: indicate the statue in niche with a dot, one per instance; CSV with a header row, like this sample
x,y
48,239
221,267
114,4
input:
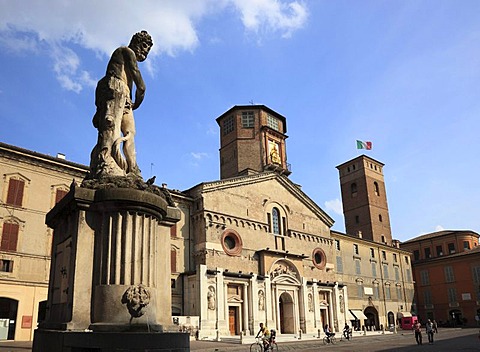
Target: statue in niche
x,y
261,300
342,303
114,116
310,302
211,298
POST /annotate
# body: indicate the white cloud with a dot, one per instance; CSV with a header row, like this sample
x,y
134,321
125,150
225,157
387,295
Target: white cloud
x,y
199,156
101,26
334,205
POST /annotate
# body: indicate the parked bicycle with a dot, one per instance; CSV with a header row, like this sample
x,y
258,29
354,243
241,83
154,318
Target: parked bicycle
x,y
258,345
329,339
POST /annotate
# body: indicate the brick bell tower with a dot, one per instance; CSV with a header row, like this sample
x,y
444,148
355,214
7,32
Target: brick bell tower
x,y
252,140
364,199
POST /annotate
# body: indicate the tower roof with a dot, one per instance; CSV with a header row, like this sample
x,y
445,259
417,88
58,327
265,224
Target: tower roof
x,y
255,107
363,156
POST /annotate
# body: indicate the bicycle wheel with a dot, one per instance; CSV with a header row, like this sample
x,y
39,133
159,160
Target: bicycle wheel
x,y
325,341
274,347
256,347
333,340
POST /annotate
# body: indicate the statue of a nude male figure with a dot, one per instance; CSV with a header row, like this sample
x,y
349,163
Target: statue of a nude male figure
x,y
114,116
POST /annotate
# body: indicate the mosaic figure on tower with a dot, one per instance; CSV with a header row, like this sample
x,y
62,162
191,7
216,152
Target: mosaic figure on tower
x,y
114,116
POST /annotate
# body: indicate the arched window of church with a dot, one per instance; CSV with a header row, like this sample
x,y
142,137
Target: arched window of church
x,y
276,221
377,192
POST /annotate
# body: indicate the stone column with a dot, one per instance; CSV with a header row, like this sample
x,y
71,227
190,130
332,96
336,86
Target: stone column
x,y
203,288
331,321
316,309
222,311
245,309
269,305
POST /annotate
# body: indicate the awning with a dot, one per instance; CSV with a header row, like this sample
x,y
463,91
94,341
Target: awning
x,y
350,316
404,314
358,314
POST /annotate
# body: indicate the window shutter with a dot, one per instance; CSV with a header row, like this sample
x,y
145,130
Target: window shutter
x,y
59,195
9,237
173,261
173,230
15,192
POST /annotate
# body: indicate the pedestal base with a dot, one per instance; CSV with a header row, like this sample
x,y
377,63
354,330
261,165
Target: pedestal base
x,y
73,341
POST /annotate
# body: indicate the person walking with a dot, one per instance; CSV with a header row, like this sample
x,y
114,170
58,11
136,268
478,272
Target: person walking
x,y
435,326
429,328
417,328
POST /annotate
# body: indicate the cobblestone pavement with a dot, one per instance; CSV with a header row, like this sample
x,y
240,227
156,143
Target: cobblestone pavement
x,y
462,340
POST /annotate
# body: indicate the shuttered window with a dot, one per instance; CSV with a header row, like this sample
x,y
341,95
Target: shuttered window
x,y
59,195
9,237
15,192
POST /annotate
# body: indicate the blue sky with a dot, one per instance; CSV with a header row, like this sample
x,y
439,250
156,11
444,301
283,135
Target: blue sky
x,y
402,74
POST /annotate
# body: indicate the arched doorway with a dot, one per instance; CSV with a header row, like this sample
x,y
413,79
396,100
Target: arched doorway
x,y
391,320
456,317
372,319
8,318
287,316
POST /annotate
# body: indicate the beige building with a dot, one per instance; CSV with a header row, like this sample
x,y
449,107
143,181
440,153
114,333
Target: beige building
x,y
31,185
251,247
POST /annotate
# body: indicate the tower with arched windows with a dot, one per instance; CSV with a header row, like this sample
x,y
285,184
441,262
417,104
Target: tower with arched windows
x,y
364,199
252,140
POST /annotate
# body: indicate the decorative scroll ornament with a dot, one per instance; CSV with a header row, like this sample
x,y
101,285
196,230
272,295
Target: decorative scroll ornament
x,y
137,299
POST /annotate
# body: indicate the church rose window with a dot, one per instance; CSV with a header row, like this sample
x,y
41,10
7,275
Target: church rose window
x,y
319,259
231,242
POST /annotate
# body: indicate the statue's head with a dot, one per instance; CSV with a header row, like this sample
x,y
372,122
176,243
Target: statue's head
x,y
141,44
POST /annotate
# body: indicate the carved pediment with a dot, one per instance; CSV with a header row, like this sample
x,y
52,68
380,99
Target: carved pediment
x,y
234,299
286,279
282,270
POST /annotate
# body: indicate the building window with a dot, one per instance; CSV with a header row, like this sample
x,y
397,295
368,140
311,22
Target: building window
x,y
355,249
372,253
276,221
397,273
424,277
384,255
9,237
358,269
380,218
272,122
15,192
406,259
339,264
59,194
449,276
395,257
357,219
385,271
374,269
6,266
466,245
248,119
173,260
451,248
375,186
231,242
408,273
353,189
337,245
427,297
376,292
228,125
439,251
388,294
428,254
319,259
360,289
452,295
399,293
416,254
173,230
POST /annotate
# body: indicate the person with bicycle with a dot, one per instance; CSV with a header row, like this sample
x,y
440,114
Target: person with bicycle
x,y
328,332
265,334
346,331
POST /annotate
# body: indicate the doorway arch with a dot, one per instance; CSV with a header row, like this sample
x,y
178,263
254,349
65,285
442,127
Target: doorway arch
x,y
372,318
287,315
8,312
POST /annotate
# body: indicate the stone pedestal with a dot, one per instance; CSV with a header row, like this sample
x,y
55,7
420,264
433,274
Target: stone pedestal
x,y
110,270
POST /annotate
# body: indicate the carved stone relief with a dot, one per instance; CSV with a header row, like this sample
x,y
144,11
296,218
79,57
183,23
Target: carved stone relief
x,y
137,299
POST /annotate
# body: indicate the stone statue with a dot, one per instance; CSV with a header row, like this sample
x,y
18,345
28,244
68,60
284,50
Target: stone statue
x,y
114,116
261,300
211,298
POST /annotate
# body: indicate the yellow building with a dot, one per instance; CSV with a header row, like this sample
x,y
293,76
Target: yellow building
x,y
31,185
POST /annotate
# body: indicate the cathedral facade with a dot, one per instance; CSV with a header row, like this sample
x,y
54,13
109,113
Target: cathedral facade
x,y
250,247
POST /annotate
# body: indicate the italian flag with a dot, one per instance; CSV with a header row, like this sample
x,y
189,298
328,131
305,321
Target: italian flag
x,y
364,145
